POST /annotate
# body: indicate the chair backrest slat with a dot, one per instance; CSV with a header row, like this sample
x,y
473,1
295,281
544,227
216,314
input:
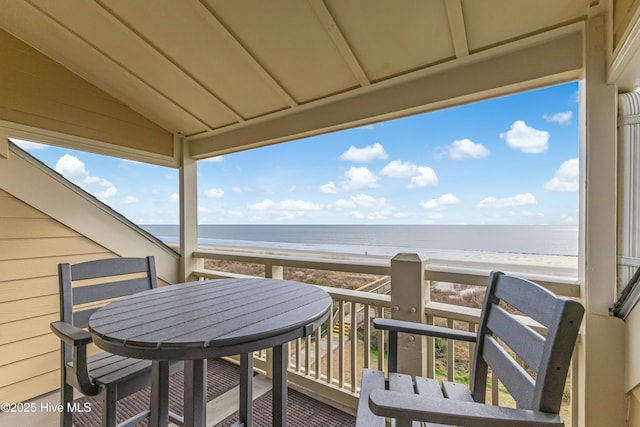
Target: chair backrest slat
x,y
501,337
534,301
511,374
114,280
85,294
109,267
524,341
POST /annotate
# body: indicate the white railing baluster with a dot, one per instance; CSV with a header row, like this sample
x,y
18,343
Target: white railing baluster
x,y
329,354
366,328
353,335
310,371
318,355
450,354
381,344
307,356
341,346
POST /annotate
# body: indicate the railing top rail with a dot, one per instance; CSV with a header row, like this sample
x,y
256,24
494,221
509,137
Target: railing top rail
x,y
368,265
558,274
361,297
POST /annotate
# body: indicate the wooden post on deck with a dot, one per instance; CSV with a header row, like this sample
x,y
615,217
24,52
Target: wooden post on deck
x,y
188,212
272,271
409,294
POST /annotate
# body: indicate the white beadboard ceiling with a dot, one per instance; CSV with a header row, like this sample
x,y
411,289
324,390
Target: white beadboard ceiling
x,y
216,69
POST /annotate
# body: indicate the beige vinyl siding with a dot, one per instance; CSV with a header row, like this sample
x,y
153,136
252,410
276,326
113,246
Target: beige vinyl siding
x,y
39,92
31,246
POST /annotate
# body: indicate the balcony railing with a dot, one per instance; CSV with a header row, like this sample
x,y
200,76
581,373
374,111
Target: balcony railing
x,y
328,364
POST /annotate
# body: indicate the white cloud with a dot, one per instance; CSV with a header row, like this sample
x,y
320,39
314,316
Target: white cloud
x,y
359,178
109,192
329,188
465,149
562,118
75,171
175,197
526,139
398,169
517,200
286,206
216,159
421,176
214,193
263,205
566,178
299,205
425,177
441,202
361,201
366,154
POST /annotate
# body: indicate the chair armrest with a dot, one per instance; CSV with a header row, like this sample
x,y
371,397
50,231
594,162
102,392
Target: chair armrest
x,y
422,329
415,407
70,334
78,338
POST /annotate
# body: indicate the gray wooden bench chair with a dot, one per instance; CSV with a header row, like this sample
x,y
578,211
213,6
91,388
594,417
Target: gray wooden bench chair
x,y
112,376
538,396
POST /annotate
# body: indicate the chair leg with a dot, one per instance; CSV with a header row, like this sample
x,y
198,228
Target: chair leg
x,y
109,398
66,400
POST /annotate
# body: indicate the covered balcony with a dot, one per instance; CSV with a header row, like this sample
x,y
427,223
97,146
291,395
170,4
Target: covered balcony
x,y
171,83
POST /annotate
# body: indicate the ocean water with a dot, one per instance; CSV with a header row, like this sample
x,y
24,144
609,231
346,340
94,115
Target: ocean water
x,y
386,239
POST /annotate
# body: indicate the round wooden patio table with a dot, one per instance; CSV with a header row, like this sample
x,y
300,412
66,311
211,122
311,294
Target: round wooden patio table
x,y
199,320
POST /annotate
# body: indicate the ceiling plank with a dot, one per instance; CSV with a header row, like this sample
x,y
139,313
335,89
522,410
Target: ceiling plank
x,y
470,79
215,23
106,12
455,17
67,44
329,24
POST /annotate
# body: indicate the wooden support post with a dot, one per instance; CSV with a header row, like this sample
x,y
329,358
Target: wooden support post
x,y
409,294
272,271
188,212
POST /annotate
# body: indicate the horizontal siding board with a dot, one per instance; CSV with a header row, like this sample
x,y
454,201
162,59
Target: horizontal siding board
x,y
28,348
32,307
13,249
31,387
28,288
26,328
14,208
41,267
13,228
41,364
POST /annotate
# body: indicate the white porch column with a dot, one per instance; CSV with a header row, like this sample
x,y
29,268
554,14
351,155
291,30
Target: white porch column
x,y
409,294
188,212
601,350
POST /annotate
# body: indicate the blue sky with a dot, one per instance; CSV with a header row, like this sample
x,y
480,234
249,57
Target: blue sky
x,y
512,160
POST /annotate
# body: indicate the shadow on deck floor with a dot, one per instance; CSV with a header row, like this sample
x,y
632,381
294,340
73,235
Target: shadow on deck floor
x,y
222,380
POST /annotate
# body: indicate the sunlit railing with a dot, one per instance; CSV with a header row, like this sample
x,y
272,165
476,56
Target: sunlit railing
x,y
328,364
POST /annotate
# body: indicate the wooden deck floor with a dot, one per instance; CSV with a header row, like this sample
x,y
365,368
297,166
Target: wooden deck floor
x,y
223,380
